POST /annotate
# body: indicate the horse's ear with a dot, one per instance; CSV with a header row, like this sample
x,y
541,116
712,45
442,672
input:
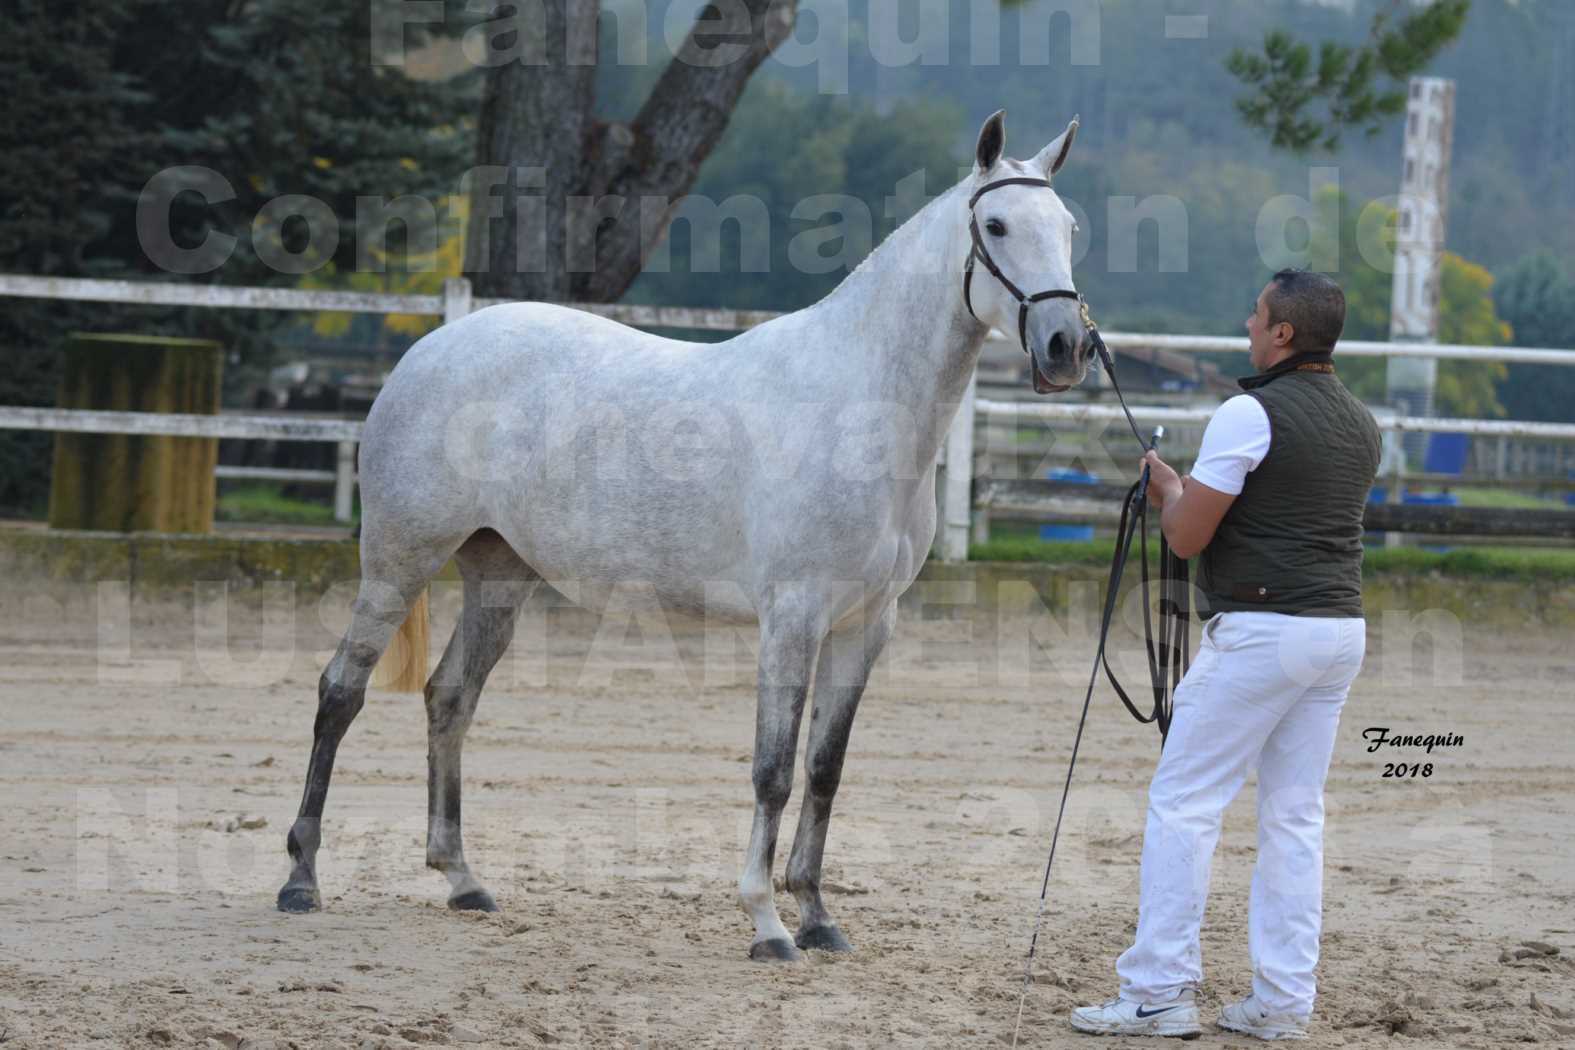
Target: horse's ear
x,y
992,141
1053,157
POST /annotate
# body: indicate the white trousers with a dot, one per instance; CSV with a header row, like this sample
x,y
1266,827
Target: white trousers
x,y
1265,692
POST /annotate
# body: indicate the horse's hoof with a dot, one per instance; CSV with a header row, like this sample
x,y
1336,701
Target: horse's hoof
x,y
298,899
823,939
778,949
473,900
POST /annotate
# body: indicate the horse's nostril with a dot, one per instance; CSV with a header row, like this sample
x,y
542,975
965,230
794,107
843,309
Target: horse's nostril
x,y
1058,346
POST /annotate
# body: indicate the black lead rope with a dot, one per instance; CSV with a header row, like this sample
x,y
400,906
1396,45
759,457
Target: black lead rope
x,y
1168,655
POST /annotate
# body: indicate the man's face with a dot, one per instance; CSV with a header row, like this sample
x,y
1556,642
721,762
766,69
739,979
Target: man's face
x,y
1261,334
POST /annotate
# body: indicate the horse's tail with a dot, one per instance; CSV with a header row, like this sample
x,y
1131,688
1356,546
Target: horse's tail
x,y
403,667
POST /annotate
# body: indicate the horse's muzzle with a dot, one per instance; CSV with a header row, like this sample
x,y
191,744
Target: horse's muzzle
x,y
1043,385
1062,359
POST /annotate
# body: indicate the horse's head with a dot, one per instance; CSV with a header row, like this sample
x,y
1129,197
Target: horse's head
x,y
1021,279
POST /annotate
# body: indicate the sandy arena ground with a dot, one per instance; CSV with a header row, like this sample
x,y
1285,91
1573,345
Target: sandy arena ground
x,y
608,805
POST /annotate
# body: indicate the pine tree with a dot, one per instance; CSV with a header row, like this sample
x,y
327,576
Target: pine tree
x,y
276,96
1537,297
1361,86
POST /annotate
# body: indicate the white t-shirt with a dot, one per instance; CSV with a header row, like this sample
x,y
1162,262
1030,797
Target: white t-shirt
x,y
1234,443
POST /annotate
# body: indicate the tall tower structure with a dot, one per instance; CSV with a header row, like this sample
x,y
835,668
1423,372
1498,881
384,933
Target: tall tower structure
x,y
1419,243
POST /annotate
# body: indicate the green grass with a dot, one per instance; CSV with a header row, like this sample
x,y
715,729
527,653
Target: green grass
x,y
1097,551
264,504
1494,563
1497,563
1506,498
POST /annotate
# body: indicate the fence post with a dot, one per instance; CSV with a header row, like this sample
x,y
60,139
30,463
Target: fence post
x,y
1395,440
456,298
957,498
981,514
983,467
344,481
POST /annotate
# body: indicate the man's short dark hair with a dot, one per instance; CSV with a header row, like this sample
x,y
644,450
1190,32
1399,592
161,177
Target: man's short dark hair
x,y
1310,303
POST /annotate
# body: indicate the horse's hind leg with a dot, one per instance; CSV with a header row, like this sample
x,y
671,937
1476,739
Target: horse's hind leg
x,y
388,587
497,583
846,658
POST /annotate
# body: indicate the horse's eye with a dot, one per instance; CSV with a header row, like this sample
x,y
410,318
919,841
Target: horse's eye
x,y
996,227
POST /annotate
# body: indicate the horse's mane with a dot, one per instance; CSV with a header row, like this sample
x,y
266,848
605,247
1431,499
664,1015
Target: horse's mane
x,y
882,251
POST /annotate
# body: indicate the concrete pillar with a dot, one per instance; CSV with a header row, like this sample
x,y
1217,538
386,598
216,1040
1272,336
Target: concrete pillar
x,y
1419,246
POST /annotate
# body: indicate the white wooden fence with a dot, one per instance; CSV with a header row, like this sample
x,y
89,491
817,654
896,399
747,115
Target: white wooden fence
x,y
456,300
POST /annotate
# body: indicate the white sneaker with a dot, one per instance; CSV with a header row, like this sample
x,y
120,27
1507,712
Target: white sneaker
x,y
1250,1017
1175,1017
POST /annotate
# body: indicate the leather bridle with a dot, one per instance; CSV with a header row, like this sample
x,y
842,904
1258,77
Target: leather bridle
x,y
1164,674
982,253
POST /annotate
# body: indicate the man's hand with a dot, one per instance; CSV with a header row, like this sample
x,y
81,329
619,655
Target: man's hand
x,y
1190,511
1164,485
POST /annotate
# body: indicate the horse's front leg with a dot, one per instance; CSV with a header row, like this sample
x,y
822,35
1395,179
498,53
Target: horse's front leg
x,y
790,637
846,657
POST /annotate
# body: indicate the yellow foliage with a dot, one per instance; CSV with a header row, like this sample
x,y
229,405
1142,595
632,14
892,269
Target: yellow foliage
x,y
1363,241
1468,316
421,273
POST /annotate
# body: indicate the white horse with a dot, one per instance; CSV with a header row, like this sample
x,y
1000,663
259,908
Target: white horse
x,y
785,477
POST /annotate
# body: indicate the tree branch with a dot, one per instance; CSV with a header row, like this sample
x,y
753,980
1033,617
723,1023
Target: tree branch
x,y
660,154
1284,81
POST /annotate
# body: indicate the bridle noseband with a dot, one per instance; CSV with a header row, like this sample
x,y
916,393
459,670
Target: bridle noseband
x,y
982,253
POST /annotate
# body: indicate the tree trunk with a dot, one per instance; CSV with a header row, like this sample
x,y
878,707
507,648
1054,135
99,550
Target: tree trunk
x,y
556,209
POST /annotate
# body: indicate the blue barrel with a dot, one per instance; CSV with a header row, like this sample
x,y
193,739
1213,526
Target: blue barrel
x,y
1431,499
1069,532
1446,453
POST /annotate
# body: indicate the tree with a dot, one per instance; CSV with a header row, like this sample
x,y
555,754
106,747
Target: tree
x,y
1285,79
53,178
395,273
281,98
1362,240
540,116
1537,297
276,96
1468,317
838,144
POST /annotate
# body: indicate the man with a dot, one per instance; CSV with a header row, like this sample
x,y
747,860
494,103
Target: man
x,y
1274,509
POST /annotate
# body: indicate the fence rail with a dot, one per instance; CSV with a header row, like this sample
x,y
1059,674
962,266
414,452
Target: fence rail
x,y
175,424
1055,502
957,489
1348,348
457,290
290,474
1050,411
346,433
